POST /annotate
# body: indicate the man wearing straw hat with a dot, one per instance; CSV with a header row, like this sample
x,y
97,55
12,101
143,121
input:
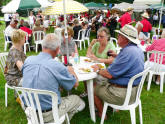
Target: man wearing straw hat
x,y
126,18
147,27
114,80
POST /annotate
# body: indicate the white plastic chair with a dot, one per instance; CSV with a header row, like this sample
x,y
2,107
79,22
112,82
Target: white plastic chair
x,y
112,39
3,57
88,36
7,41
80,38
26,43
126,105
38,38
156,69
31,96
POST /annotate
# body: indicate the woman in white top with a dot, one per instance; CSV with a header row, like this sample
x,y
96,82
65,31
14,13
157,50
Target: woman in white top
x,y
31,20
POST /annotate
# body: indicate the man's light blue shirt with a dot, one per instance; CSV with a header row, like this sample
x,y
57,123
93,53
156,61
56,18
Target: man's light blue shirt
x,y
43,72
129,62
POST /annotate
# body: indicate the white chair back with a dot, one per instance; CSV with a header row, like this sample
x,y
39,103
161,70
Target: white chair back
x,y
3,57
31,98
140,86
6,37
38,35
158,60
88,33
81,34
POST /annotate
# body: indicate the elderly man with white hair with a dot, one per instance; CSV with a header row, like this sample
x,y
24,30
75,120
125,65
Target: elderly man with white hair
x,y
129,62
43,72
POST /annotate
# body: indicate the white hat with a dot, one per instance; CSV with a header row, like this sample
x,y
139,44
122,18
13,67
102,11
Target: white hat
x,y
145,15
129,32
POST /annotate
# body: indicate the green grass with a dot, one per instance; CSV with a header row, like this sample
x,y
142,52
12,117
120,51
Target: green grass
x,y
153,103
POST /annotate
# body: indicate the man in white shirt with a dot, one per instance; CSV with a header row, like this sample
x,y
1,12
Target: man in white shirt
x,y
11,27
9,30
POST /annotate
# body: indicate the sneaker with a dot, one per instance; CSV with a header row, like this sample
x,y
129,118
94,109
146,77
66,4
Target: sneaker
x,y
83,95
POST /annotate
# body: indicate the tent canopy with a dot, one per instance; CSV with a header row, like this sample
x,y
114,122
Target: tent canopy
x,y
148,2
138,7
92,5
29,4
15,5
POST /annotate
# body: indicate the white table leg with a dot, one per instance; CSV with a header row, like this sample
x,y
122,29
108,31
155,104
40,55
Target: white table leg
x,y
91,99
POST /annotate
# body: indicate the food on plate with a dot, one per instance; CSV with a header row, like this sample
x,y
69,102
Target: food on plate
x,y
87,60
100,66
85,69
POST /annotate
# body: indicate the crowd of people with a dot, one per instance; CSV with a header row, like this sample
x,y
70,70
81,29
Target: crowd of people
x,y
43,72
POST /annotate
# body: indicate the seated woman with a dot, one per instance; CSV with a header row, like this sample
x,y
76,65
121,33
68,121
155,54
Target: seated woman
x,y
15,59
100,46
98,49
157,45
71,44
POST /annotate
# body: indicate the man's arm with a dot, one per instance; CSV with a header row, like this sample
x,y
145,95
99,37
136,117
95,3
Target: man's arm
x,y
71,71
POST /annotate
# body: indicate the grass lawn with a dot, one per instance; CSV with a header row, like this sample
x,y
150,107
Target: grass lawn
x,y
153,103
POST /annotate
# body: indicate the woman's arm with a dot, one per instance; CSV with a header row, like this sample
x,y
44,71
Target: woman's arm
x,y
89,51
19,64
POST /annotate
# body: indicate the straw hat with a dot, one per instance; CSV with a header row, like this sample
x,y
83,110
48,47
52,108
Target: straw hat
x,y
129,32
129,9
145,15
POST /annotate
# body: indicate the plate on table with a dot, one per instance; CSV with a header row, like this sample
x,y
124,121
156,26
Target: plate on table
x,y
85,70
88,60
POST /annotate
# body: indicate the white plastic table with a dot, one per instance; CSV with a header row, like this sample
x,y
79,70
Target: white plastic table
x,y
88,77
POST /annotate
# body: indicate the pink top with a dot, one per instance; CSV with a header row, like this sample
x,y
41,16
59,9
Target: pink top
x,y
157,45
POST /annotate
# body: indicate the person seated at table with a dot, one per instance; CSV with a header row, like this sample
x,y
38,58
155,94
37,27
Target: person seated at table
x,y
76,28
129,62
157,45
26,28
72,47
9,29
15,59
44,73
100,46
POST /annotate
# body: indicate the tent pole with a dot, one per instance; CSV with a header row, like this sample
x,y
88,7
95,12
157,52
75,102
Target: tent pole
x,y
66,32
160,16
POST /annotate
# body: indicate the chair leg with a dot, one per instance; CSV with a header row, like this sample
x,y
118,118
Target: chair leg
x,y
5,46
29,47
88,42
6,94
161,83
149,81
67,119
25,49
104,112
133,116
80,45
140,113
36,48
84,44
